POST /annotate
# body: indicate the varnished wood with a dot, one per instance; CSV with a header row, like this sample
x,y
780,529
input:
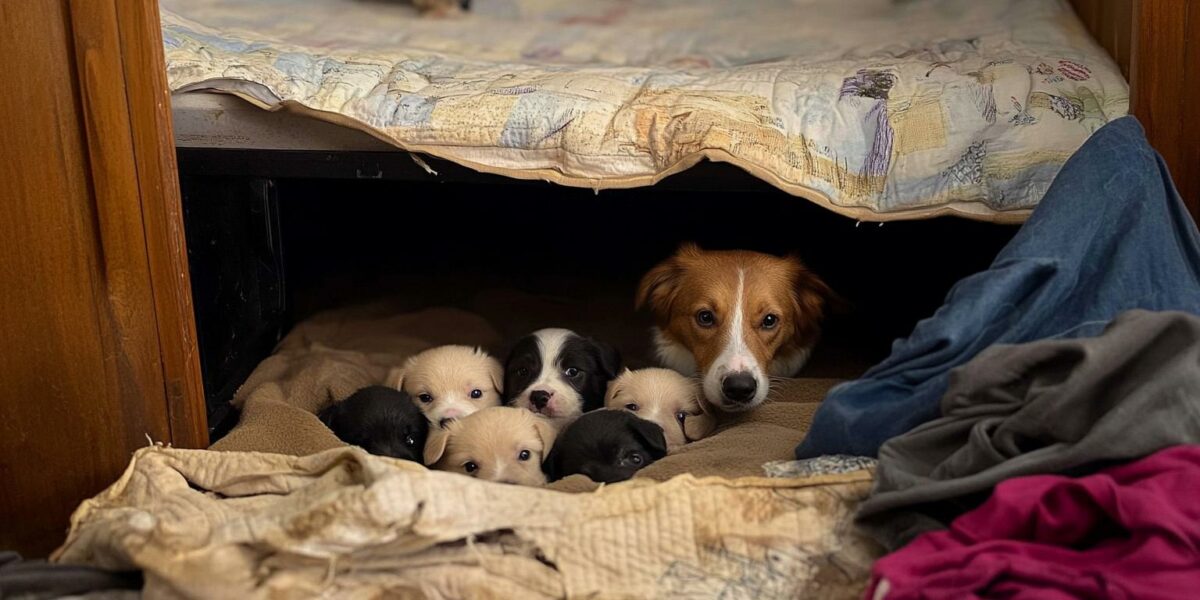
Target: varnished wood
x,y
1111,23
158,182
1165,80
1157,45
81,326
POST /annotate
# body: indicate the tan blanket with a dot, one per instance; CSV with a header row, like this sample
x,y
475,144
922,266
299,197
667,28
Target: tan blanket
x,y
345,524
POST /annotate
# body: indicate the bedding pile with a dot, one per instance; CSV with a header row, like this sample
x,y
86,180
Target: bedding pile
x,y
874,109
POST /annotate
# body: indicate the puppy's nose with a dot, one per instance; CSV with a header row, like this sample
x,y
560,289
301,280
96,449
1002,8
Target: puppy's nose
x,y
539,398
739,387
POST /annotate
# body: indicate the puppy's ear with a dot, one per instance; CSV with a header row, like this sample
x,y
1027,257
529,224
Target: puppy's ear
x,y
546,432
435,446
330,413
651,436
614,387
610,359
550,465
395,378
496,373
659,285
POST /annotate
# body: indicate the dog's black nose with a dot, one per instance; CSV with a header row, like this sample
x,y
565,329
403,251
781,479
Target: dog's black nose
x,y
739,387
539,398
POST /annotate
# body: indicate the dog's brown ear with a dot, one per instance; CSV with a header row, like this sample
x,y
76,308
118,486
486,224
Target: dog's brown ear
x,y
659,285
812,297
546,432
435,446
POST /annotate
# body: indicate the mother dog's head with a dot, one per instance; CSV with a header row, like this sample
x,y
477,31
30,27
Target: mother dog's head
x,y
734,318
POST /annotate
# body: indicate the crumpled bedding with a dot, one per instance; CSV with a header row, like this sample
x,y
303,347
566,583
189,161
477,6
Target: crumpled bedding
x,y
872,108
346,524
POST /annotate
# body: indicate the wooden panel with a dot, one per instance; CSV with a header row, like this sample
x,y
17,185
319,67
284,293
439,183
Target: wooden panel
x,y
1111,23
162,210
79,331
1165,73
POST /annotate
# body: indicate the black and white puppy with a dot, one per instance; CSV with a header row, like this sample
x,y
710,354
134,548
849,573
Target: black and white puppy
x,y
606,445
380,420
559,374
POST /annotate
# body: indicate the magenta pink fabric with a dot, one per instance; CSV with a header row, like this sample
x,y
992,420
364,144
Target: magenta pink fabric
x,y
1131,531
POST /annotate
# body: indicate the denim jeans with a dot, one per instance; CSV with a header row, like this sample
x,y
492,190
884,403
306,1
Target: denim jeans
x,y
1110,235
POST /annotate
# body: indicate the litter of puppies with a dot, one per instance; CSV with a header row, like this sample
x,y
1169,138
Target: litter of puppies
x,y
562,404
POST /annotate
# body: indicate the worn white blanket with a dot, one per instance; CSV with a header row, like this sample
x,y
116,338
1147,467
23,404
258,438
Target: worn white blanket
x,y
876,109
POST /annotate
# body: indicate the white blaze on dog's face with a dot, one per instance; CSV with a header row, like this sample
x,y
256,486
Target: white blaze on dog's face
x,y
735,318
451,382
559,374
666,398
501,444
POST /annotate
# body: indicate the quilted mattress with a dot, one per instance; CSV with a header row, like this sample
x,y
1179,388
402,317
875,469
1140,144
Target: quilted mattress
x,y
875,109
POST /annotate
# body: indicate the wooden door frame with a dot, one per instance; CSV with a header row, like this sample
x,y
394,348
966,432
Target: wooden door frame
x,y
149,103
1157,45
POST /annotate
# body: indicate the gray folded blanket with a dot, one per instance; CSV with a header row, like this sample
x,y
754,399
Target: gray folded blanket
x,y
1054,406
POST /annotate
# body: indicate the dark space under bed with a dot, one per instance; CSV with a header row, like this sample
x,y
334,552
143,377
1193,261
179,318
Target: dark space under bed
x,y
266,251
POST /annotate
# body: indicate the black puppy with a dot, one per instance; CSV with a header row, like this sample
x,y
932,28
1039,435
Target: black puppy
x,y
559,374
380,420
606,445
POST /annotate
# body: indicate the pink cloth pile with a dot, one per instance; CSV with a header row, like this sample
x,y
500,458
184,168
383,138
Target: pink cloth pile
x,y
1131,531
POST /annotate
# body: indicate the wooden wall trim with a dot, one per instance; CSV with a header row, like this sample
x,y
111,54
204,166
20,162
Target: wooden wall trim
x,y
162,211
1164,79
1157,45
96,330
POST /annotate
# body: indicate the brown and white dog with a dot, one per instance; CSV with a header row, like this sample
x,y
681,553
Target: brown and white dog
x,y
735,318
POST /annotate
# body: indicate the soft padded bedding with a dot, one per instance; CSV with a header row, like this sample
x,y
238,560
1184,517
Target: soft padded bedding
x,y
873,108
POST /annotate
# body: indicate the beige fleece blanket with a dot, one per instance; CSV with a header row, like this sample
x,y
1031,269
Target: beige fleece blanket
x,y
288,511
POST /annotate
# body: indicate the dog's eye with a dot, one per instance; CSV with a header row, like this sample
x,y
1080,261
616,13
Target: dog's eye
x,y
524,455
680,416
636,459
426,398
770,321
476,393
522,372
470,466
632,407
571,372
706,318
410,441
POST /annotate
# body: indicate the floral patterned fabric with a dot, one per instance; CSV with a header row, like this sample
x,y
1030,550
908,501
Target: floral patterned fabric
x,y
873,108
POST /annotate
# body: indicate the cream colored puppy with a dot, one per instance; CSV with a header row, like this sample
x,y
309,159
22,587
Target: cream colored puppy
x,y
666,398
450,382
501,444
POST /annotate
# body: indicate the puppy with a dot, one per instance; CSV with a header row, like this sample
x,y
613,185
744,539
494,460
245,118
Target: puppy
x,y
380,420
559,374
451,382
665,397
501,444
606,445
734,318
